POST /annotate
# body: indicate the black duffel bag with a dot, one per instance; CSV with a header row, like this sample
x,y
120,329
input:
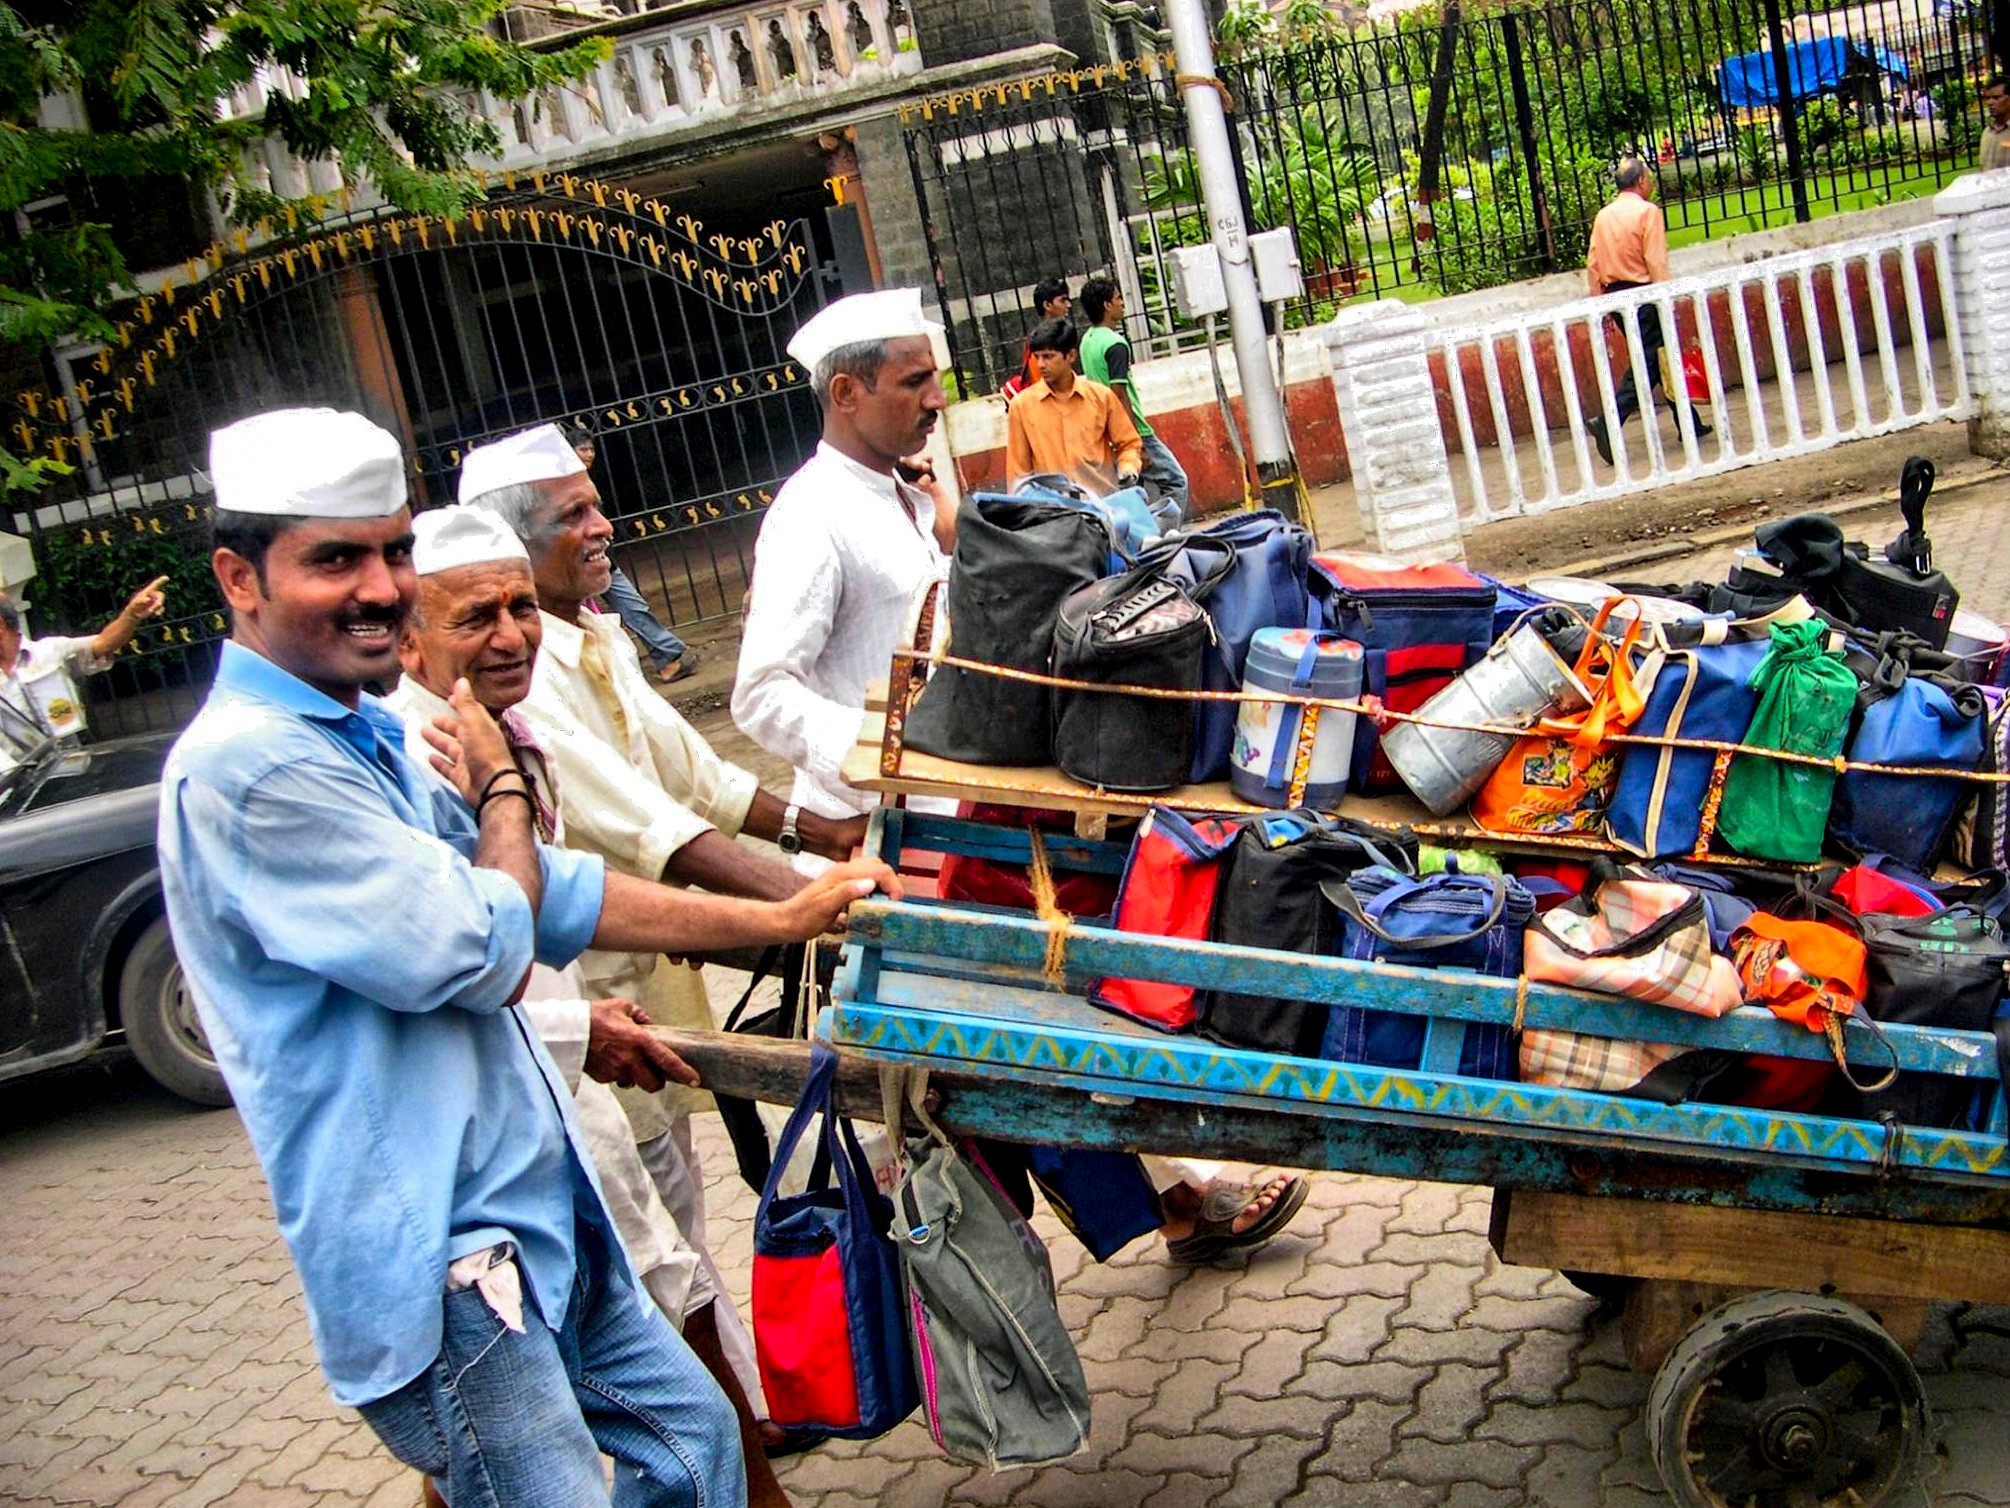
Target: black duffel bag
x,y
1016,560
1946,969
1902,590
1142,628
1269,898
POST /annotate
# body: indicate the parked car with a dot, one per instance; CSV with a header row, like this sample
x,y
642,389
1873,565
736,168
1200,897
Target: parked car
x,y
88,963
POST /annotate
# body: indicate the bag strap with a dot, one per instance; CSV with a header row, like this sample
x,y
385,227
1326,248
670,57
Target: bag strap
x,y
1341,894
818,1096
763,967
1835,1033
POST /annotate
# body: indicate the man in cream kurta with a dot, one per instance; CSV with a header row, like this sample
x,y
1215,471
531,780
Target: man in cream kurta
x,y
644,790
557,1001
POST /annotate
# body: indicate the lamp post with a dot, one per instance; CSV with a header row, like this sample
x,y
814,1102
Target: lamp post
x,y
1214,156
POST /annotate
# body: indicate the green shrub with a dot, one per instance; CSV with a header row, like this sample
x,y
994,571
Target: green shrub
x,y
1958,112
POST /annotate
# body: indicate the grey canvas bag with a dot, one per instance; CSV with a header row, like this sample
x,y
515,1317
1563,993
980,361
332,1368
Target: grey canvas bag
x,y
1001,1385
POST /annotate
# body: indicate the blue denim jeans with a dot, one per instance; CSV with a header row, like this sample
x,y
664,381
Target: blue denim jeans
x,y
1164,471
503,1420
664,647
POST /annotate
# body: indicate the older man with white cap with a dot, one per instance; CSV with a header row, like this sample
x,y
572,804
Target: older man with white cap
x,y
355,936
644,790
845,544
476,619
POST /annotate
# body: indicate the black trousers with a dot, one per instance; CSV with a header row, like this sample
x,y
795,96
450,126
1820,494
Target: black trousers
x,y
1626,401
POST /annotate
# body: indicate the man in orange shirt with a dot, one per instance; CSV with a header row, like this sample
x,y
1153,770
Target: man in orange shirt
x,y
1629,249
1065,423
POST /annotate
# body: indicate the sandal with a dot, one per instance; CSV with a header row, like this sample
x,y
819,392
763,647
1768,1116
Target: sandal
x,y
684,665
1214,1232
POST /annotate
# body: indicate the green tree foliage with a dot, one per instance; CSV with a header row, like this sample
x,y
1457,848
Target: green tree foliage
x,y
1302,179
386,90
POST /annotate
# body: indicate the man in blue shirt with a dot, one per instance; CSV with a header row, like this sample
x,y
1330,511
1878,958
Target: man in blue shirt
x,y
356,937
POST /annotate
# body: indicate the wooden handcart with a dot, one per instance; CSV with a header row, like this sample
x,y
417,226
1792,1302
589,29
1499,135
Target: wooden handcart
x,y
1774,1267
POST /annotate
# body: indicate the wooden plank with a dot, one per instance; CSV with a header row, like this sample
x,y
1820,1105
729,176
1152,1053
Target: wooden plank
x,y
1034,1105
922,774
1019,942
1187,1069
1755,1249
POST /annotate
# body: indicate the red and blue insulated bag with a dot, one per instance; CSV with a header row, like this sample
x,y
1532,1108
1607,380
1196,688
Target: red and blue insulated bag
x,y
829,1329
1702,691
1265,588
1921,724
1418,627
1449,920
1168,890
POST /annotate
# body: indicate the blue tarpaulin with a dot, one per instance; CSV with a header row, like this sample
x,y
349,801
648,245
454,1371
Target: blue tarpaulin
x,y
1749,82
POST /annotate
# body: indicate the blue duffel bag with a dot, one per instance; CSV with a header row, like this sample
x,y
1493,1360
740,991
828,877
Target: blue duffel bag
x,y
1449,920
1266,588
1919,723
1702,691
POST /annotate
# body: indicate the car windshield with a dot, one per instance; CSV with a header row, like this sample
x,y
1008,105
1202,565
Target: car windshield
x,y
32,766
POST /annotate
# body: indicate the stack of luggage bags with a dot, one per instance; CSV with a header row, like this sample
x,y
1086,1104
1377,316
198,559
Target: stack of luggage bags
x,y
1649,792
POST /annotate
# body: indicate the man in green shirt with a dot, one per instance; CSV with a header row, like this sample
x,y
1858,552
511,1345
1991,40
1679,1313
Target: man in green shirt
x,y
1106,358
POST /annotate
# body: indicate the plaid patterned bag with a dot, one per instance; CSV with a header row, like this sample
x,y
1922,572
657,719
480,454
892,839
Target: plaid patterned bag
x,y
1626,935
1578,1060
1643,938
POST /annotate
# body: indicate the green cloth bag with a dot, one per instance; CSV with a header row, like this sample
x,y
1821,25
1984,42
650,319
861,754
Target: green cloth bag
x,y
1773,809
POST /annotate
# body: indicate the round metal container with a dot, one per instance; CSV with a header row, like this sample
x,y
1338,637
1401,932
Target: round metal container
x,y
1979,644
1589,596
1513,684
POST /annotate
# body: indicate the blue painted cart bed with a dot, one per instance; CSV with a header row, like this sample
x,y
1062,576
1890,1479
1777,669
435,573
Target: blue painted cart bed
x,y
960,990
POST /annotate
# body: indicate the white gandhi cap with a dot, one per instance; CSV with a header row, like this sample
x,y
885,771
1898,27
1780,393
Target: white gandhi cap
x,y
307,463
542,454
445,538
890,314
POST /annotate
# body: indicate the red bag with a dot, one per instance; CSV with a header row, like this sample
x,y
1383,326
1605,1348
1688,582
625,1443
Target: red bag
x,y
1866,890
1695,376
1167,891
990,883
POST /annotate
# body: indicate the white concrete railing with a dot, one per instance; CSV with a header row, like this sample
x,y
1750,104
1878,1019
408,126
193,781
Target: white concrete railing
x,y
1799,352
659,78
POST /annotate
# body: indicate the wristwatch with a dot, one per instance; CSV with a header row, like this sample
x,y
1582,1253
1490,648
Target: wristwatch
x,y
788,840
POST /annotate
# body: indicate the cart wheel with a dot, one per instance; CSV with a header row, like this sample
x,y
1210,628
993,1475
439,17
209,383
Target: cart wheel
x,y
1785,1400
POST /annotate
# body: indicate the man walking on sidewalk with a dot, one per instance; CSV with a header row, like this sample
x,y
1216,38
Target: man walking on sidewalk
x,y
1629,249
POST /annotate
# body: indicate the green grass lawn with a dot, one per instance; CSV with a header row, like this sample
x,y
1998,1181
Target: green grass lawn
x,y
1828,194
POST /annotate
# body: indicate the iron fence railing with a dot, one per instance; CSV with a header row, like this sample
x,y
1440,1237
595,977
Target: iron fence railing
x,y
1751,113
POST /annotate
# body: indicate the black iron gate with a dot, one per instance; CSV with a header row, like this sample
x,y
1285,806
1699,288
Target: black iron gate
x,y
560,299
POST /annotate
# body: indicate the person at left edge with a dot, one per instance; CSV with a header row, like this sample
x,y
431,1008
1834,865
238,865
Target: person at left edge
x,y
38,692
356,938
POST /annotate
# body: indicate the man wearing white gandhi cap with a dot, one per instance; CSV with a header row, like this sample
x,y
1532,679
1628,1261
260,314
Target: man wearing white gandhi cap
x,y
476,618
841,554
355,935
644,790
847,541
